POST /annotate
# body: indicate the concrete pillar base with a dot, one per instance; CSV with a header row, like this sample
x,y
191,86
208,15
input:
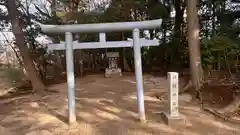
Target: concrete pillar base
x,y
172,121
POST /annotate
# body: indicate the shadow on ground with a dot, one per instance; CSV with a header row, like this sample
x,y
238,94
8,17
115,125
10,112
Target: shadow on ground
x,y
105,106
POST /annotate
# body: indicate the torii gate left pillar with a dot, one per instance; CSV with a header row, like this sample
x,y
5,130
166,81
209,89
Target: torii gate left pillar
x,y
70,77
103,27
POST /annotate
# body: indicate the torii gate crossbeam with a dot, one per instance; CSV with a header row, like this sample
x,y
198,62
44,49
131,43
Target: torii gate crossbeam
x,y
108,44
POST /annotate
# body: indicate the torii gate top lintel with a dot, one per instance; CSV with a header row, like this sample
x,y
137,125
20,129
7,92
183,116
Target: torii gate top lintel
x,y
100,27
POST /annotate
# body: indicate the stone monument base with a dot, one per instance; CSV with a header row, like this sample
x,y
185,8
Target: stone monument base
x,y
113,72
172,121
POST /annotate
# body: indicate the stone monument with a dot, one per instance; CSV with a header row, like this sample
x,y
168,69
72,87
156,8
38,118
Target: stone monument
x,y
112,68
171,116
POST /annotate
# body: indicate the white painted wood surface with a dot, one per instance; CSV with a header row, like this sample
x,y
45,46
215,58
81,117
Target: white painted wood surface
x,y
108,44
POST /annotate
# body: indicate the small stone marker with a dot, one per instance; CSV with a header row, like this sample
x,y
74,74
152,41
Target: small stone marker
x,y
113,64
173,94
171,116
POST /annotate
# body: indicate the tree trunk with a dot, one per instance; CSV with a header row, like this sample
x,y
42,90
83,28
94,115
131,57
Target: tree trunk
x,y
32,74
125,64
213,18
179,8
194,44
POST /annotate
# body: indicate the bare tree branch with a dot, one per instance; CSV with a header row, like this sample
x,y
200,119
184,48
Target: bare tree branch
x,y
41,12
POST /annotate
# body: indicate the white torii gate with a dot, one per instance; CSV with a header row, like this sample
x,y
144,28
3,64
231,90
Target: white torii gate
x,y
102,28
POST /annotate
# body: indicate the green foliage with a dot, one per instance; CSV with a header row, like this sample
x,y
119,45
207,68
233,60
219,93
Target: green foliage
x,y
219,50
219,28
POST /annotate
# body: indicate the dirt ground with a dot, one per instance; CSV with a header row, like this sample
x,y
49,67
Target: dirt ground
x,y
105,106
